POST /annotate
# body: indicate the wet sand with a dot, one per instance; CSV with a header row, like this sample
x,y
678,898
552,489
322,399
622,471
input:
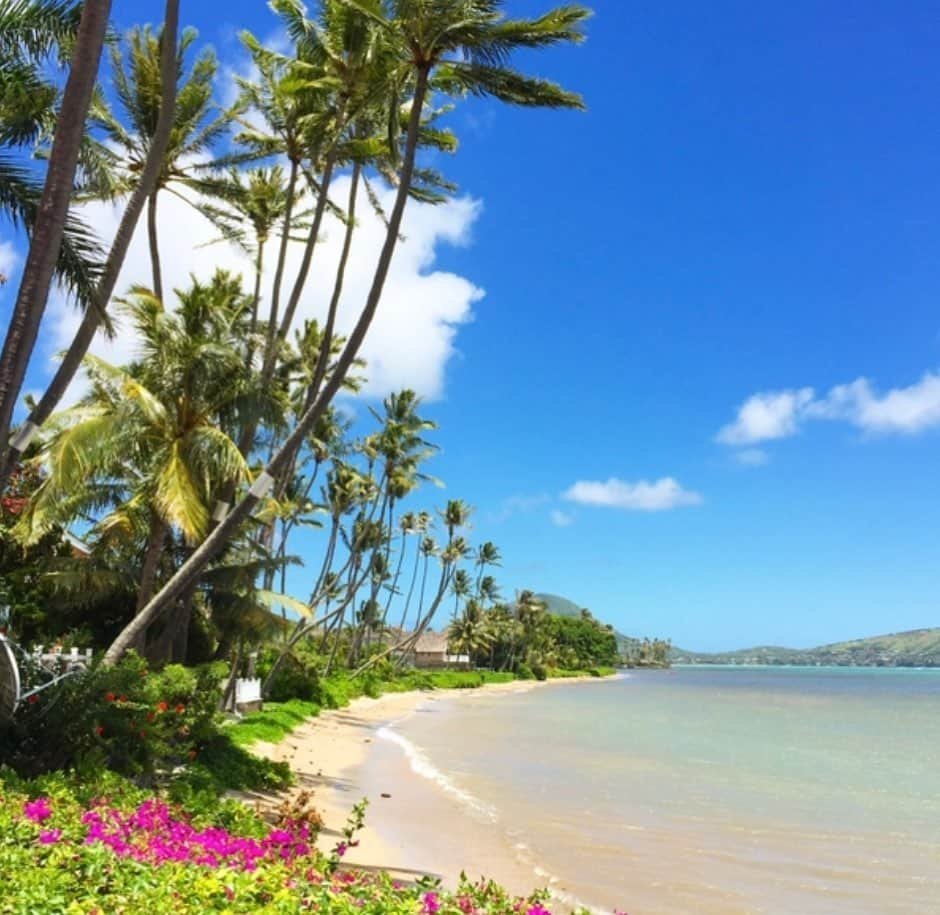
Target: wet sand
x,y
417,829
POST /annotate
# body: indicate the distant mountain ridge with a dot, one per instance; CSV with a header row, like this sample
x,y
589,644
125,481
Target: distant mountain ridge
x,y
915,648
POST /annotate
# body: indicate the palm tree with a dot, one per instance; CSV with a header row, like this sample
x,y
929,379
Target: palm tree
x,y
198,124
487,555
460,588
32,31
247,207
471,633
153,429
51,215
98,298
463,46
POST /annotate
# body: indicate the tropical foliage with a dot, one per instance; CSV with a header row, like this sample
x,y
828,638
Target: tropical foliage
x,y
164,513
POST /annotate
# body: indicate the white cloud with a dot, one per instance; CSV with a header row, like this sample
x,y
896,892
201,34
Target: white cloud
x,y
560,518
412,337
765,416
752,457
664,494
781,414
901,410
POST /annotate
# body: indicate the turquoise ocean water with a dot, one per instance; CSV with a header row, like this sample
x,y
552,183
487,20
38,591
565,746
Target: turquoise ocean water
x,y
705,790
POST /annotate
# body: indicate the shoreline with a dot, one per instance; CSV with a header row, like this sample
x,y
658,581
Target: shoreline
x,y
333,756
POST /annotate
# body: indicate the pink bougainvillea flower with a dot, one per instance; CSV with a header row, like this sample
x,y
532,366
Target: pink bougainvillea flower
x,y
341,849
538,910
38,811
431,904
50,836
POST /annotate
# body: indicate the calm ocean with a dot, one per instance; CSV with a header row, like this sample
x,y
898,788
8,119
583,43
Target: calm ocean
x,y
705,790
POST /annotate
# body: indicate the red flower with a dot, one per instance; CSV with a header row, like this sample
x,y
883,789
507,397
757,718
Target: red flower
x,y
162,707
180,709
123,699
99,730
150,716
192,754
110,697
33,699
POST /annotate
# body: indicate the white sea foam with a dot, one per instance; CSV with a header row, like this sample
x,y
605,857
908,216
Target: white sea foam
x,y
421,765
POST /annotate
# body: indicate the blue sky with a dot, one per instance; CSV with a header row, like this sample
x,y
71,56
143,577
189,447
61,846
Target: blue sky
x,y
750,206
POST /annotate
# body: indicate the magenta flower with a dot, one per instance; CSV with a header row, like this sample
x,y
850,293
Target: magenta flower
x,y
538,910
341,849
431,904
50,836
38,811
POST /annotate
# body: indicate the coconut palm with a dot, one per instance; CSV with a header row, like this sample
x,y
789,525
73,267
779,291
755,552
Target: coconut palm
x,y
153,429
32,32
471,633
487,555
99,297
51,215
463,46
247,207
198,123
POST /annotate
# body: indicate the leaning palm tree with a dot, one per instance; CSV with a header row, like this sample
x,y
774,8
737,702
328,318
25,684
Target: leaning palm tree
x,y
463,47
51,216
198,123
100,295
32,32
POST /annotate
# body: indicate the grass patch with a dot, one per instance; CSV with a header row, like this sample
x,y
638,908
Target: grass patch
x,y
275,722
278,719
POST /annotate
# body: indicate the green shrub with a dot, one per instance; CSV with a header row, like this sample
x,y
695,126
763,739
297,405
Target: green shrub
x,y
125,718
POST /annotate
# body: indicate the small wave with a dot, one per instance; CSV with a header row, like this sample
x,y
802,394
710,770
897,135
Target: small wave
x,y
421,765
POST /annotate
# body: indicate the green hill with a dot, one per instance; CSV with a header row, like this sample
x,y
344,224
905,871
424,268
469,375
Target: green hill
x,y
561,606
917,648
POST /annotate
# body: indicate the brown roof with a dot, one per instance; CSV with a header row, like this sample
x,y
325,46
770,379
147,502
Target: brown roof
x,y
431,642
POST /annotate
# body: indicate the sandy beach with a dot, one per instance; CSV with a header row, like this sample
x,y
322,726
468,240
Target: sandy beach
x,y
412,827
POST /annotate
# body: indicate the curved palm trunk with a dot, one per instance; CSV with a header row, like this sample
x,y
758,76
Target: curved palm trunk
x,y
148,569
220,535
49,226
95,310
154,245
411,588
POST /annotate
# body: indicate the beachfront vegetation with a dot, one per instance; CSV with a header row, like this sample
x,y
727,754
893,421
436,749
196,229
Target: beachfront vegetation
x,y
163,514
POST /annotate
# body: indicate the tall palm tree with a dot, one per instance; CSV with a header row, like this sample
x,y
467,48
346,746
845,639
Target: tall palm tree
x,y
153,429
464,46
247,208
51,215
487,555
98,298
31,32
198,123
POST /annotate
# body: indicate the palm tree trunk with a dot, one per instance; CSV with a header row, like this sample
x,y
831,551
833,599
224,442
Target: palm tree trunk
x,y
282,253
152,555
411,588
255,303
49,226
326,344
95,310
220,535
154,245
